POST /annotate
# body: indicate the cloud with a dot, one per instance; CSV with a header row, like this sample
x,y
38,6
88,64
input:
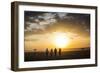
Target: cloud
x,y
33,26
72,35
52,20
36,20
31,18
43,23
47,16
43,20
47,19
62,15
48,22
39,24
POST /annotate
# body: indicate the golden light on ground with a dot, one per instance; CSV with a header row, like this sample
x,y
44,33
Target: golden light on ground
x,y
61,40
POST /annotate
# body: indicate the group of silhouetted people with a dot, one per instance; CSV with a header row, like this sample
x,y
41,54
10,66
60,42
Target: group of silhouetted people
x,y
53,52
50,52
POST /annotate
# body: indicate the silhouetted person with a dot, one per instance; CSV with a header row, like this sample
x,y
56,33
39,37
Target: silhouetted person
x,y
34,52
55,52
47,52
59,51
51,52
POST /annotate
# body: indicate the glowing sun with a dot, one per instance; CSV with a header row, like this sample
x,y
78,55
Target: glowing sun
x,y
61,40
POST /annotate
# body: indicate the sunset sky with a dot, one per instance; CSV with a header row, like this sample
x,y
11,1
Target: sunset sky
x,y
56,30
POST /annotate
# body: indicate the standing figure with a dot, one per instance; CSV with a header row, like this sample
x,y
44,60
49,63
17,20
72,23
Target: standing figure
x,y
51,52
59,51
47,52
55,52
34,52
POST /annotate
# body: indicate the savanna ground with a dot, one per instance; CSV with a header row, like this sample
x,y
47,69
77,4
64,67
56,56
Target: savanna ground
x,y
42,56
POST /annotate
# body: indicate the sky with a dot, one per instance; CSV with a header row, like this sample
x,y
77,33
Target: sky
x,y
41,27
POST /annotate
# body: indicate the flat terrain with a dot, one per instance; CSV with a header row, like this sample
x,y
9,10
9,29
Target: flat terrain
x,y
42,56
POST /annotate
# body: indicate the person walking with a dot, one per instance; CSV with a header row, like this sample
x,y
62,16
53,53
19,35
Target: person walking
x,y
47,52
51,52
55,52
59,51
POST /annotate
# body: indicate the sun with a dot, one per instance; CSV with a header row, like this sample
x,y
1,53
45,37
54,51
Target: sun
x,y
61,40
